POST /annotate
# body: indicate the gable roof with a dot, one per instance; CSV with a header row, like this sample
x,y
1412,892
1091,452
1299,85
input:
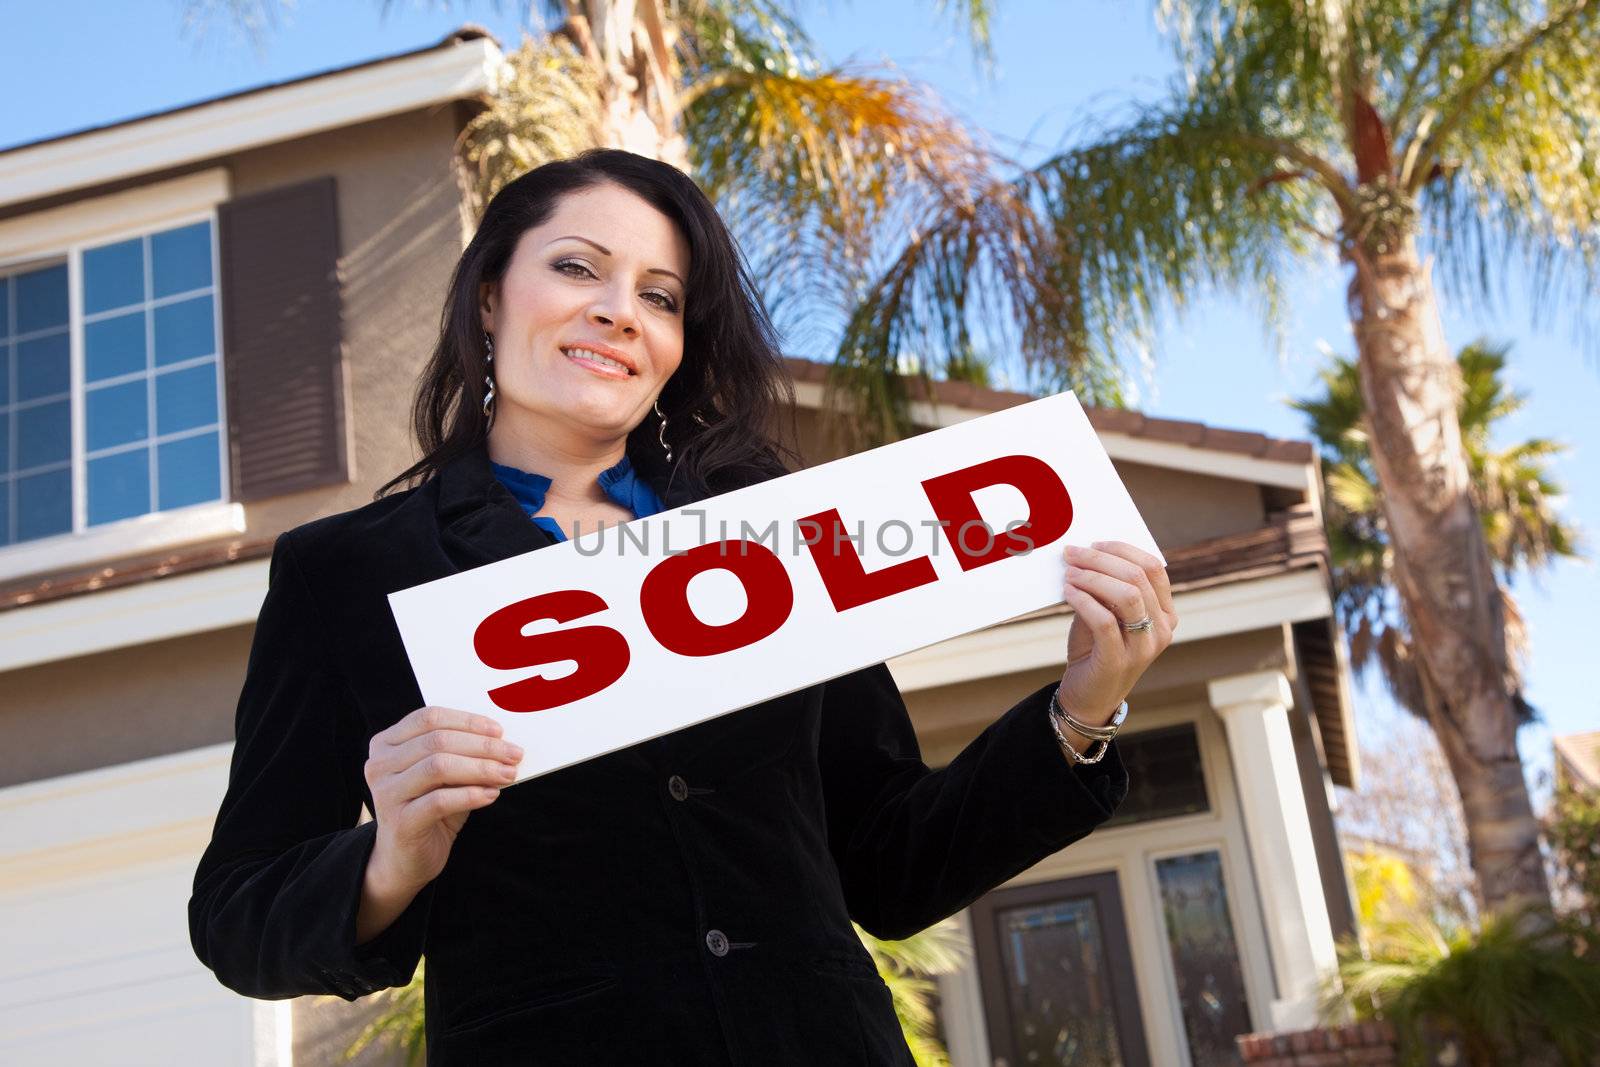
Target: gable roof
x,y
457,67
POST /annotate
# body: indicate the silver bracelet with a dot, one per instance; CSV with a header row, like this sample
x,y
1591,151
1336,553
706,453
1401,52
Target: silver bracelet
x,y
1072,753
1093,733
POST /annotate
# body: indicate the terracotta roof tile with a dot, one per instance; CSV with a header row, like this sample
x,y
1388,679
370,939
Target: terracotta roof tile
x,y
1116,420
1177,431
132,570
1289,451
1251,444
1106,420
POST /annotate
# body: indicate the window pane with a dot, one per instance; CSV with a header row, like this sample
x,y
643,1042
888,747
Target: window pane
x,y
1165,777
119,486
5,442
190,471
118,415
42,367
113,346
186,399
1057,984
5,325
184,330
5,373
5,511
1205,957
44,504
180,259
44,435
113,276
41,297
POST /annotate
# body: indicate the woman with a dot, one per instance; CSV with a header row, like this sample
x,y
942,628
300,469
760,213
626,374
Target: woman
x,y
686,900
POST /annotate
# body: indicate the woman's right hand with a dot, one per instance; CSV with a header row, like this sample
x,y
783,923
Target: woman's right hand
x,y
427,773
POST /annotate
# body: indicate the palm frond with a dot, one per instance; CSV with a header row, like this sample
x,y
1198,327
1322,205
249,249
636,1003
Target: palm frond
x,y
977,18
1512,991
846,184
544,106
1505,168
399,1023
1178,203
906,967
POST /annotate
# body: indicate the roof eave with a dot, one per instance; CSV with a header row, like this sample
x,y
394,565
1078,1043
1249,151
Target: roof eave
x,y
460,67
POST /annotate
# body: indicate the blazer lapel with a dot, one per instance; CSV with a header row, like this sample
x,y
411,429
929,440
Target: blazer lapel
x,y
479,520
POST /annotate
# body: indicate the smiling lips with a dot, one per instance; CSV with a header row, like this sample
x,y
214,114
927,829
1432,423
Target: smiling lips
x,y
601,359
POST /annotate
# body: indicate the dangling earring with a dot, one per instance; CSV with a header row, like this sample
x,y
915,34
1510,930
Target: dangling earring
x,y
488,379
661,433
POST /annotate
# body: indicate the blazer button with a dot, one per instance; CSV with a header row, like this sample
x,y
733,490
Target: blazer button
x,y
678,788
717,942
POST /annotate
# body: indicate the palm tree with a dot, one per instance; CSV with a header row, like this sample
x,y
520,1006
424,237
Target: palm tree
x,y
1391,133
1512,489
827,175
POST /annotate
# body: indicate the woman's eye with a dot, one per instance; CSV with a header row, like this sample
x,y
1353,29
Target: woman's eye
x,y
573,269
575,265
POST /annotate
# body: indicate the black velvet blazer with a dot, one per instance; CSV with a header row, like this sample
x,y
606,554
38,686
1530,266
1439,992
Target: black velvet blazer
x,y
686,900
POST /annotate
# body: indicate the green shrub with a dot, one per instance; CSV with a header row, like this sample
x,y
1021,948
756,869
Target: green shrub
x,y
1514,991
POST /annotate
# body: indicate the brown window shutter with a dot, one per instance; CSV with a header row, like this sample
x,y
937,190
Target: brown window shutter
x,y
282,357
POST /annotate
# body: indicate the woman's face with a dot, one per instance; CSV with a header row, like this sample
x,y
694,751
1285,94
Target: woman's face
x,y
588,319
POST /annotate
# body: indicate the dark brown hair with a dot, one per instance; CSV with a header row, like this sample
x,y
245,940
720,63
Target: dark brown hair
x,y
722,402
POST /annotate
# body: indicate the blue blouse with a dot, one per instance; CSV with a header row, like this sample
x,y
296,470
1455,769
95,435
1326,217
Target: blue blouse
x,y
620,482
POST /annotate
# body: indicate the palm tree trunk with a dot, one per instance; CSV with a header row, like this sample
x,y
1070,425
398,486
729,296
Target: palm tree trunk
x,y
1410,387
630,43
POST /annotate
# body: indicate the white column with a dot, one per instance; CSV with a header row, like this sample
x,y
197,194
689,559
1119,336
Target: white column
x,y
1254,709
273,1032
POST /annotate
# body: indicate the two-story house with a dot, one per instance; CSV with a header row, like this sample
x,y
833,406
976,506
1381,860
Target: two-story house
x,y
211,323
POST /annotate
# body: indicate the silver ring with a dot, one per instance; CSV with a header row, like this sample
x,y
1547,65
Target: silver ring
x,y
1140,626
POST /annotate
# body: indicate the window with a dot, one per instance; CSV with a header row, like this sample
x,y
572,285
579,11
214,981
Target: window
x,y
35,405
1205,957
144,431
1165,775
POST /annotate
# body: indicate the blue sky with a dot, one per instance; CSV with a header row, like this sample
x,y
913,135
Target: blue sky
x,y
72,64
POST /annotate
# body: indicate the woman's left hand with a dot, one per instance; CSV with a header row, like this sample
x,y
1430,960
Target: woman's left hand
x,y
1109,586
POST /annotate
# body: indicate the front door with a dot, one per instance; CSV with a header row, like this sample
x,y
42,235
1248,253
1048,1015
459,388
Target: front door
x,y
1057,975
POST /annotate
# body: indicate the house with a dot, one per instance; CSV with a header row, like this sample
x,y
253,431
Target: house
x,y
213,319
1578,761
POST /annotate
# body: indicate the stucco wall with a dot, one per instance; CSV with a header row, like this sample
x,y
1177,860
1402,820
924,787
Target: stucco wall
x,y
400,234
127,704
1181,507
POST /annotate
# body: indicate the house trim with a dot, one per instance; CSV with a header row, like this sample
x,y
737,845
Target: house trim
x,y
143,533
178,606
1129,448
1036,642
271,115
51,232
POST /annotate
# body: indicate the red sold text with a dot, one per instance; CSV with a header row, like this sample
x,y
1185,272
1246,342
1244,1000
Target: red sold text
x,y
601,653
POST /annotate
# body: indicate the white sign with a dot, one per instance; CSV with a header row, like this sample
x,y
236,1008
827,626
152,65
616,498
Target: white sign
x,y
632,631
